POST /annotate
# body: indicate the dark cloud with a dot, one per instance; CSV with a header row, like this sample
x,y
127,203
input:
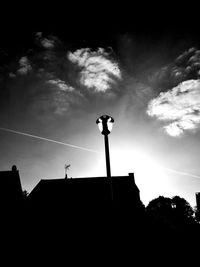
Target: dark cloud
x,y
50,81
56,98
49,42
185,67
24,66
54,80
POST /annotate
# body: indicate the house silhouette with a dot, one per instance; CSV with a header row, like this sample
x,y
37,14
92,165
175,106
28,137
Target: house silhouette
x,y
77,208
85,198
11,195
90,215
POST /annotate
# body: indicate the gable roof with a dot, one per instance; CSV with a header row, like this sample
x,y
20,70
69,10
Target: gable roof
x,y
85,191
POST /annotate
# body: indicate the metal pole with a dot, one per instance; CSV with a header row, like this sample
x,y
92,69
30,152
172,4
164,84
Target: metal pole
x,y
107,156
108,163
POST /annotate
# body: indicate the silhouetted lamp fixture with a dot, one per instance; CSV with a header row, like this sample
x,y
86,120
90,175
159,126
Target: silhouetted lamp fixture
x,y
105,124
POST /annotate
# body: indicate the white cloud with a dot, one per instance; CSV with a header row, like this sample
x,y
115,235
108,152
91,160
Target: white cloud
x,y
180,107
61,85
24,66
173,129
98,70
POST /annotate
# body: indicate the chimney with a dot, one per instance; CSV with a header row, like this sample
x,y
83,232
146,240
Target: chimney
x,y
131,175
14,168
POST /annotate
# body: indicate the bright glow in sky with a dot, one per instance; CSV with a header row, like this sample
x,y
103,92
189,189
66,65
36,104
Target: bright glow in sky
x,y
150,178
52,93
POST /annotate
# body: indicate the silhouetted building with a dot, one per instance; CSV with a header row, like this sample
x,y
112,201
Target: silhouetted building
x,y
11,195
79,196
85,214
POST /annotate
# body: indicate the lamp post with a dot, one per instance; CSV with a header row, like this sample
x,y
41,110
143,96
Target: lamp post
x,y
105,123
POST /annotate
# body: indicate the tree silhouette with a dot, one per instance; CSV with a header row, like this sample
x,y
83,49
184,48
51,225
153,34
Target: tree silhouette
x,y
159,212
197,214
182,207
170,213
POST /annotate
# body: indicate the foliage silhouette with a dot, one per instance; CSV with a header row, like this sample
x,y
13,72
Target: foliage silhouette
x,y
183,212
197,214
174,213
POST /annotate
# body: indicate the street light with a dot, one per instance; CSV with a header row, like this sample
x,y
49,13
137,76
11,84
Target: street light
x,y
105,123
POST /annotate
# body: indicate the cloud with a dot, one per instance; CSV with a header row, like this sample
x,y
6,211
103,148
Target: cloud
x,y
185,67
187,64
46,42
24,66
12,75
47,92
180,107
61,85
43,107
54,97
52,89
98,70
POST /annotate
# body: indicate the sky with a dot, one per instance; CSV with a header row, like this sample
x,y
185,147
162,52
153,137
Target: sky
x,y
62,68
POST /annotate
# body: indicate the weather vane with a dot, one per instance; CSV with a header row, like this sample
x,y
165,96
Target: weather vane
x,y
67,166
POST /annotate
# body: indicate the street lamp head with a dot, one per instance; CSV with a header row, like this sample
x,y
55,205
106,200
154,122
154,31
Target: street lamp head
x,y
105,124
